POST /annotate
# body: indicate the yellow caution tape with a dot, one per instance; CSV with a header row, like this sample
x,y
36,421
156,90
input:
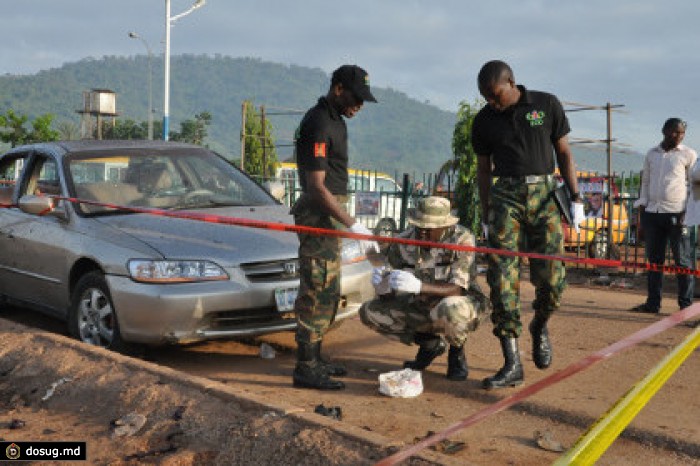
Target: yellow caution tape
x,y
603,433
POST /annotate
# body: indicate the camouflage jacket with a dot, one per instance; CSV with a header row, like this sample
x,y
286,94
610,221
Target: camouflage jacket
x,y
437,265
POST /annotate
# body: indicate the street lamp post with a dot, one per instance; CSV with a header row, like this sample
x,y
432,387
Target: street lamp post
x,y
169,20
134,35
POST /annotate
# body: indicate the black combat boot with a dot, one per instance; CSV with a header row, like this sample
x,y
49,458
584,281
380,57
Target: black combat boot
x,y
309,372
511,374
336,370
431,346
457,363
541,347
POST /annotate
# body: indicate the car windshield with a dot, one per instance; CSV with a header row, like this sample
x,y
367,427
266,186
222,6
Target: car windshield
x,y
165,179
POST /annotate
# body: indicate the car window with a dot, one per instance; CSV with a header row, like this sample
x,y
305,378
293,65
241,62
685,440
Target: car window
x,y
10,170
177,179
43,179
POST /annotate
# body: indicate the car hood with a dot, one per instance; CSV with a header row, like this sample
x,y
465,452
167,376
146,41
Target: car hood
x,y
227,245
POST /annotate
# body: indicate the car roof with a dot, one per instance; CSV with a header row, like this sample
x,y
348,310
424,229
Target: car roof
x,y
93,144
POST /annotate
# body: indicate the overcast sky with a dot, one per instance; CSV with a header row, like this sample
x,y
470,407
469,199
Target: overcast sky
x,y
639,53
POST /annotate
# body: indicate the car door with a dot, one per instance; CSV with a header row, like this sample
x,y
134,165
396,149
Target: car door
x,y
37,254
11,166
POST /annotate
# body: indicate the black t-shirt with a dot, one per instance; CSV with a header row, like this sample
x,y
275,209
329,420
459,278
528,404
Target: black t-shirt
x,y
322,144
520,138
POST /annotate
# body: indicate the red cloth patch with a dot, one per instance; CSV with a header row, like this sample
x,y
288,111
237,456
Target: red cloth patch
x,y
319,149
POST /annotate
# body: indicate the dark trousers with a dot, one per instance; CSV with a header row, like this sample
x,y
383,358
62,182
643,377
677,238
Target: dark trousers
x,y
659,231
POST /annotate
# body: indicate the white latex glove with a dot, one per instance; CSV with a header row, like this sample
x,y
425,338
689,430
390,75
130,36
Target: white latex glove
x,y
365,245
405,282
485,228
380,280
577,214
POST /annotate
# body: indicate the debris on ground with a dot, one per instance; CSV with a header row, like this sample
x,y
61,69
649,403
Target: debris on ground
x,y
332,411
267,351
602,280
405,383
545,440
622,284
13,424
447,446
128,425
177,415
52,388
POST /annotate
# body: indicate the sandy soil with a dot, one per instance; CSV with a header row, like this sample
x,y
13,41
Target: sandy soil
x,y
221,403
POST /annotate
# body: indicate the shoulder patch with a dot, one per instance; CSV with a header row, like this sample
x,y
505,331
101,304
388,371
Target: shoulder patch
x,y
320,149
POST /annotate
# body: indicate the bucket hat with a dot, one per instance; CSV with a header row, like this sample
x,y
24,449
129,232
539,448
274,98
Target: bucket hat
x,y
432,212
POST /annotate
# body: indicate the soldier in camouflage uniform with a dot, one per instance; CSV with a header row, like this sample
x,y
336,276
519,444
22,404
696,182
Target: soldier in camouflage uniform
x,y
425,294
322,160
514,137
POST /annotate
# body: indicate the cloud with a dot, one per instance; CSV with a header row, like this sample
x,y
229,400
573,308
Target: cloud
x,y
639,53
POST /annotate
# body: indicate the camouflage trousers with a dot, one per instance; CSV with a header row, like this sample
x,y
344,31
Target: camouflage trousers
x,y
401,317
319,272
523,217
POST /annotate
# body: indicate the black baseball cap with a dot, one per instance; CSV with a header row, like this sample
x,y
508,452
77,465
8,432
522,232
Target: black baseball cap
x,y
355,79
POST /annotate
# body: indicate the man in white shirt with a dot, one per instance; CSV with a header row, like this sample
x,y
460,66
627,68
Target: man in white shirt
x,y
662,205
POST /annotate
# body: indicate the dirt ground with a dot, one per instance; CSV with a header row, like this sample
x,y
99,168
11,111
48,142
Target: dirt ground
x,y
221,403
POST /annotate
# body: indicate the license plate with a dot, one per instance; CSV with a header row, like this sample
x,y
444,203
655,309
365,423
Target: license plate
x,y
285,297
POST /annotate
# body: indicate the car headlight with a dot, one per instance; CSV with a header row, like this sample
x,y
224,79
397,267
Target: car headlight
x,y
165,271
351,252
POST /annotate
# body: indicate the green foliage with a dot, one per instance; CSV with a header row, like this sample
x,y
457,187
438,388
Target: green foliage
x,y
124,129
467,189
68,130
14,131
193,131
260,157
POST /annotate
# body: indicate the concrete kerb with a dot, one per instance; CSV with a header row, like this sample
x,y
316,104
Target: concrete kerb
x,y
228,393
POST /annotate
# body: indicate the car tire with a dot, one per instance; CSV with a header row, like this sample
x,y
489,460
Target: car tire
x,y
93,318
598,248
386,228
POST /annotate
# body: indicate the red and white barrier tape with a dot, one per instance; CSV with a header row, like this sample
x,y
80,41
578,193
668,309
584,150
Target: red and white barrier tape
x,y
585,363
211,218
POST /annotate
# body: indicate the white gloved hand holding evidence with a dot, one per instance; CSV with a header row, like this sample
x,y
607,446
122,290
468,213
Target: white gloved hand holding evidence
x,y
577,215
380,280
365,245
405,282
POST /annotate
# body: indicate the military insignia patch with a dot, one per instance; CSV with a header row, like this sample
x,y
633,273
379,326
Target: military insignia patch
x,y
320,149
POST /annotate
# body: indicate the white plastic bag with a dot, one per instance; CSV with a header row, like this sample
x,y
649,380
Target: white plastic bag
x,y
405,383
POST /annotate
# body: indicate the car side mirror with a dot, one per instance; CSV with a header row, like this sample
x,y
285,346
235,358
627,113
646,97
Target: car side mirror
x,y
42,205
276,189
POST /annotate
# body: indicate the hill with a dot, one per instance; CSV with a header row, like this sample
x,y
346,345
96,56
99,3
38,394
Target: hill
x,y
400,134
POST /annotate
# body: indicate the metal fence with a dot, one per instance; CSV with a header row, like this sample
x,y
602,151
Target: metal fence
x,y
610,232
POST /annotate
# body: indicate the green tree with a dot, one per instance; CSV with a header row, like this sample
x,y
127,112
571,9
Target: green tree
x,y
467,189
41,129
68,130
193,131
260,158
14,131
124,129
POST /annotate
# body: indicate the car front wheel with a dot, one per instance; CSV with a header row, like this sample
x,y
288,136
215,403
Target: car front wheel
x,y
93,318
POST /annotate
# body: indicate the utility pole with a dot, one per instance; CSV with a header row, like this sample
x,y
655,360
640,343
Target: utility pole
x,y
608,141
244,108
263,141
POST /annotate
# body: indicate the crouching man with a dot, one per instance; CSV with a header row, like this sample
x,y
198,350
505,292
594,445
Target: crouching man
x,y
429,295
